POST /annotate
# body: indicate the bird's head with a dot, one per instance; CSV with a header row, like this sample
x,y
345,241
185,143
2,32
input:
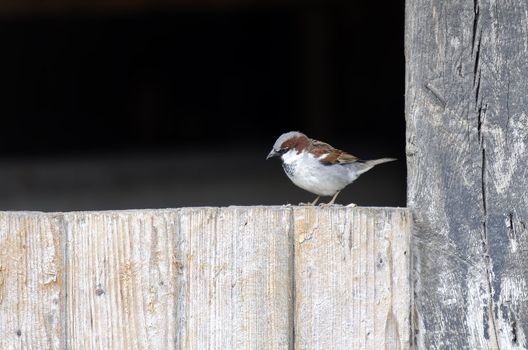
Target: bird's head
x,y
289,141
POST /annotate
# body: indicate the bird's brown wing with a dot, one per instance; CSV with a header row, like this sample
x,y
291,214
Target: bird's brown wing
x,y
333,155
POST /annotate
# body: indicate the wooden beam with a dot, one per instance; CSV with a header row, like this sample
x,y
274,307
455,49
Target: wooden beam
x,y
467,146
220,278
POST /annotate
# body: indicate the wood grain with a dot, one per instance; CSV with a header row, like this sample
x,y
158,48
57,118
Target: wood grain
x,y
467,138
237,273
121,279
206,278
31,281
352,279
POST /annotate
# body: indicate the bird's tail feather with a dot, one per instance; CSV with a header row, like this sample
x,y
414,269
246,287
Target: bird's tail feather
x,y
369,164
379,161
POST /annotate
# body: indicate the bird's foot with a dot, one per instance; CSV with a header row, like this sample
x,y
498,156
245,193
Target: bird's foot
x,y
310,203
325,205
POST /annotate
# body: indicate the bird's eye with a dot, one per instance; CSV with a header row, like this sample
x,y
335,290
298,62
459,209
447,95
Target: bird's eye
x,y
282,151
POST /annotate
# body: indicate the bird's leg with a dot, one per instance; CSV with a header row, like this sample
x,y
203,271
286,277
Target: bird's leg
x,y
310,203
333,198
331,202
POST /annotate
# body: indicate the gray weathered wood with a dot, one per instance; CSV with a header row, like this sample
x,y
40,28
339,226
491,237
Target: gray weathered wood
x,y
31,281
467,138
236,279
206,278
121,278
352,279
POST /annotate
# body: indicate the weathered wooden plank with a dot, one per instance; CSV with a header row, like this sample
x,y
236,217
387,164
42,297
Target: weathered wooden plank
x,y
205,278
467,137
31,281
121,279
352,279
237,278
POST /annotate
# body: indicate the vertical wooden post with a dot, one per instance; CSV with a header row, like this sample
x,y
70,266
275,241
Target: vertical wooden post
x,y
467,147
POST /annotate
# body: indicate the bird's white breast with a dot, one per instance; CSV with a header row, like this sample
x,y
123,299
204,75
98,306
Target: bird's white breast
x,y
305,171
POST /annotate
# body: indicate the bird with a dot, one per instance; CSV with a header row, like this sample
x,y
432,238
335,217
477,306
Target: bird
x,y
317,167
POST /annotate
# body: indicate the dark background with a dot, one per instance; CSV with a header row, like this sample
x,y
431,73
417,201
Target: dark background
x,y
149,104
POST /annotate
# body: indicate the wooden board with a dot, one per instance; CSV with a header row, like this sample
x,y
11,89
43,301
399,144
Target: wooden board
x,y
121,279
206,278
467,138
352,279
236,279
32,293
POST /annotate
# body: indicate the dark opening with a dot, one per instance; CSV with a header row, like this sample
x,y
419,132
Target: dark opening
x,y
135,107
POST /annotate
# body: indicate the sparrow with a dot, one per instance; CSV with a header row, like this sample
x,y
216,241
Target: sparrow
x,y
317,167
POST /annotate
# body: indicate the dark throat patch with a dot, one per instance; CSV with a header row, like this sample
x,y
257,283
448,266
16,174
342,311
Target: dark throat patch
x,y
288,168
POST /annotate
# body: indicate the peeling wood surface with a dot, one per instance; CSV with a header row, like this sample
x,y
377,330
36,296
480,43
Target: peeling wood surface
x,y
206,278
467,138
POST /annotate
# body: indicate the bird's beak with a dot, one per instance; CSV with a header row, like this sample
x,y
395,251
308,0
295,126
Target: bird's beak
x,y
272,154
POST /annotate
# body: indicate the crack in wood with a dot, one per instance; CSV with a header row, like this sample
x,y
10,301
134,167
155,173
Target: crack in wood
x,y
476,11
471,189
476,72
435,94
511,226
483,184
476,40
513,325
486,255
481,113
475,51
